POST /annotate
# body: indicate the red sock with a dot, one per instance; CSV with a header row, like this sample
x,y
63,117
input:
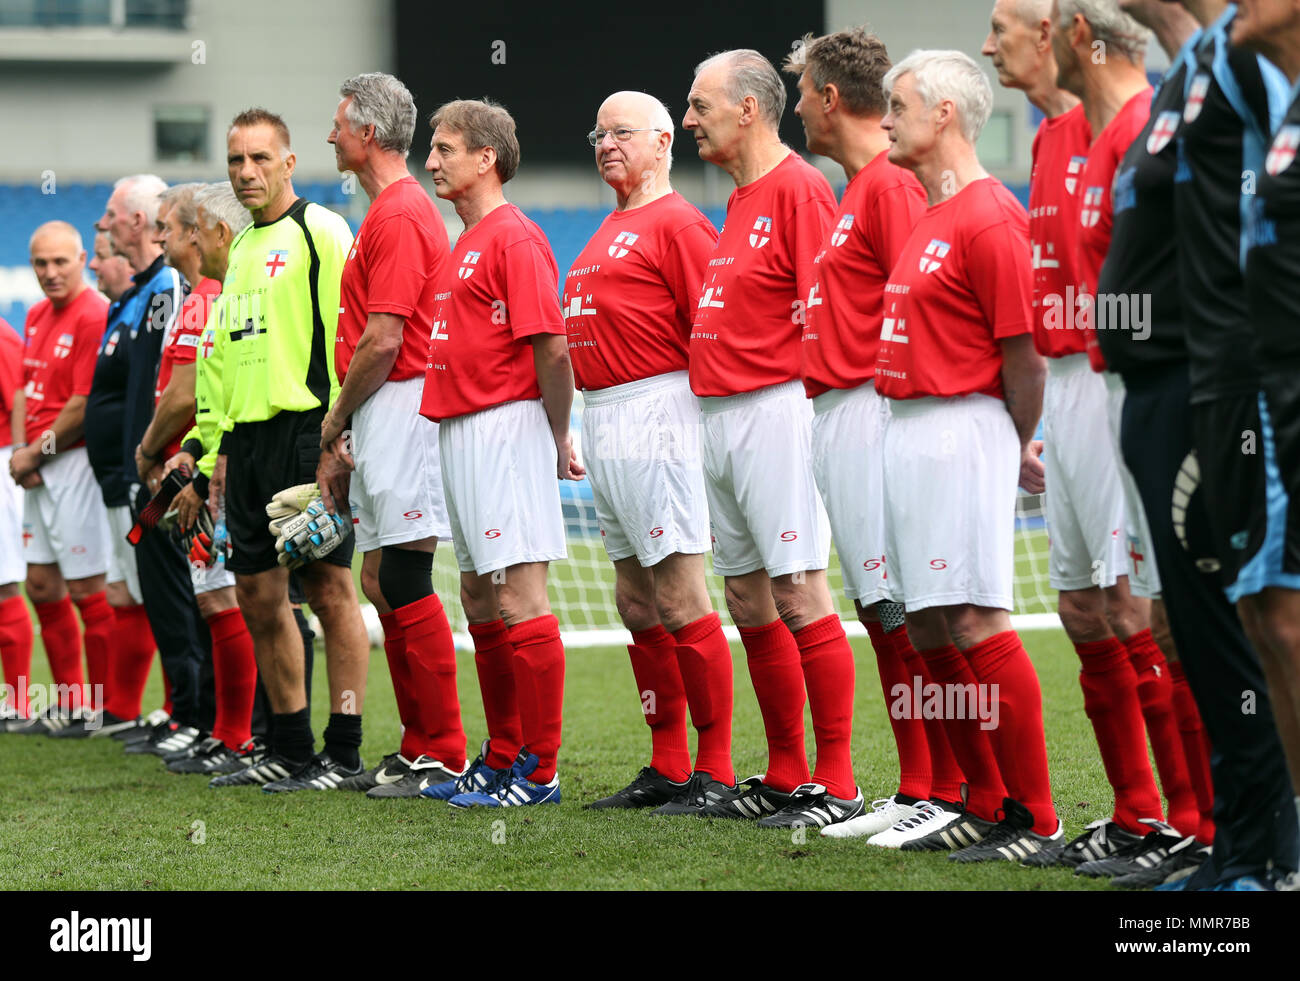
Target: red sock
x,y
777,676
16,648
99,620
828,675
970,744
662,695
1156,692
1196,750
395,652
61,636
494,657
1110,699
909,733
1018,740
431,661
704,659
539,688
235,674
946,777
135,650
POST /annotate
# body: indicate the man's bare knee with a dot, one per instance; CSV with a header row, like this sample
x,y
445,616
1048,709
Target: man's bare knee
x,y
1083,615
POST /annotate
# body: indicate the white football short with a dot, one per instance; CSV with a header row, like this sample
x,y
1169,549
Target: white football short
x,y
121,553
13,566
396,491
641,447
764,508
951,469
503,498
1085,500
848,432
66,519
1143,576
209,579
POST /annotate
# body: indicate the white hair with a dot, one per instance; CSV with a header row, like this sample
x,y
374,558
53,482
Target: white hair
x,y
1110,25
948,76
143,193
219,203
661,119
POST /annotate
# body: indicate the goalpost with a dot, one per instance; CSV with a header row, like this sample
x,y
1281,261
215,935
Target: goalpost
x,y
582,586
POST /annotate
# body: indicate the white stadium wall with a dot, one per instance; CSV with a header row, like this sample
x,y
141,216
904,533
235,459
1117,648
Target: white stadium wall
x,y
81,103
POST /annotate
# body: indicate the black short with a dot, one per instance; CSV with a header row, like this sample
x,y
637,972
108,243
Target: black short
x,y
1254,808
1229,439
263,458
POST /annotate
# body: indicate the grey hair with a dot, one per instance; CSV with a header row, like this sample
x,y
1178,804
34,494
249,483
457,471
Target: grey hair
x,y
143,193
181,198
749,73
952,76
1110,25
381,101
219,203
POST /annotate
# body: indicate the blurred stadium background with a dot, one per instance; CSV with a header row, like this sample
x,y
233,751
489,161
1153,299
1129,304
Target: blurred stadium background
x,y
91,90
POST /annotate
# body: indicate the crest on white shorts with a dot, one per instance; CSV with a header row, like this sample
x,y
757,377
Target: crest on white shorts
x,y
1090,213
623,239
1282,153
1072,172
1162,132
840,234
468,264
934,255
1196,97
762,232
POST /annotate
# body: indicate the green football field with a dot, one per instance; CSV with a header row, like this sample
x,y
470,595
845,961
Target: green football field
x,y
81,815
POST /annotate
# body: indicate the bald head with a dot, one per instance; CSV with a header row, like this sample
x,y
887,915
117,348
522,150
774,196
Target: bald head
x,y
638,110
1030,11
56,233
58,259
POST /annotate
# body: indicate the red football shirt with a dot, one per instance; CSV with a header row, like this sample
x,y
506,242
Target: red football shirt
x,y
398,258
881,205
962,284
499,291
181,345
748,323
630,295
1096,211
11,378
1060,156
59,356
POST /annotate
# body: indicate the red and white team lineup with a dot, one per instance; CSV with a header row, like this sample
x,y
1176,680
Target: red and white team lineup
x,y
872,368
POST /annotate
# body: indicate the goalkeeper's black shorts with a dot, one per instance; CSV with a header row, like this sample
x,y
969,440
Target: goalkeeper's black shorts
x,y
262,459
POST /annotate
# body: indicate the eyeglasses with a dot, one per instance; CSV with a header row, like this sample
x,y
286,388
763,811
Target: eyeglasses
x,y
622,134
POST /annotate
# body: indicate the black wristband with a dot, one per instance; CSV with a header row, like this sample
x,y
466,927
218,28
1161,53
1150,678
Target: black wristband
x,y
201,485
194,447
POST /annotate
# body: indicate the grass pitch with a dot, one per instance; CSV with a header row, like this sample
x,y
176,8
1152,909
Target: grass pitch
x,y
81,815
